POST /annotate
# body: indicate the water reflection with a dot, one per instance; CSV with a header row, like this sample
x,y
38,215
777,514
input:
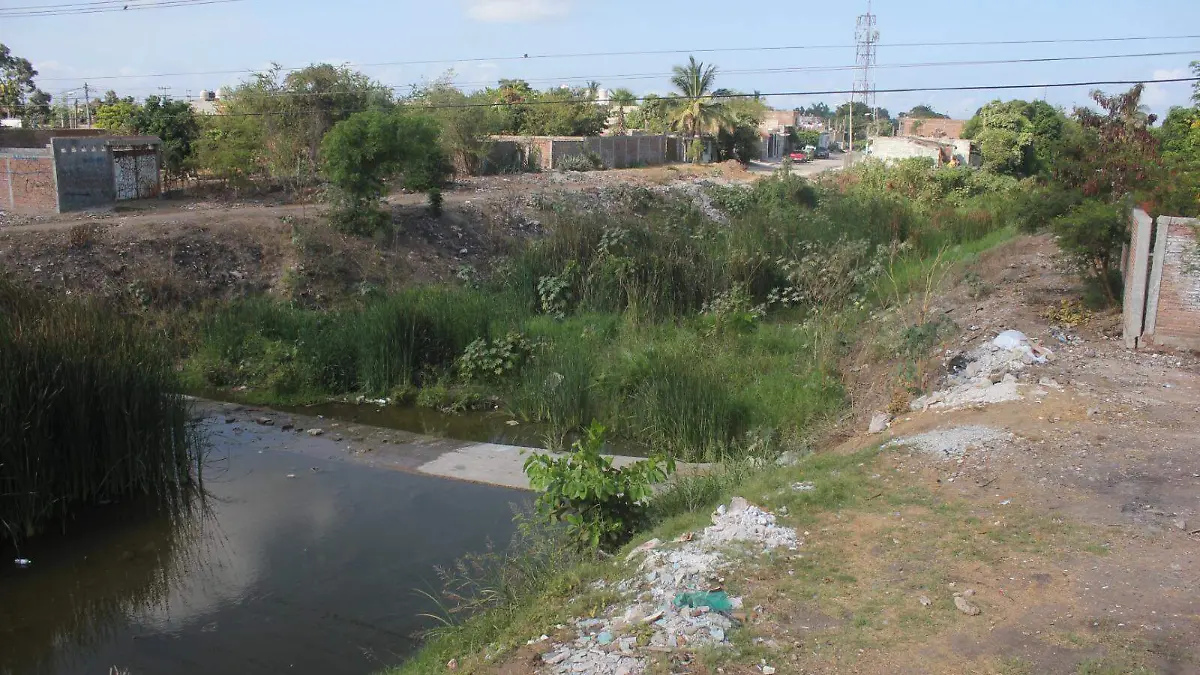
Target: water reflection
x,y
292,563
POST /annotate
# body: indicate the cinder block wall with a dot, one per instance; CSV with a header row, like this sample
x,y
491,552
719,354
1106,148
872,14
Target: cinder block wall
x,y
27,181
1176,320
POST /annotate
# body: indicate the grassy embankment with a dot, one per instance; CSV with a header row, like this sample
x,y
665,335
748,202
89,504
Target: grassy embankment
x,y
703,339
91,412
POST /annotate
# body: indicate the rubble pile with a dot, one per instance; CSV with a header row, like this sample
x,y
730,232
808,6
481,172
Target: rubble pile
x,y
674,600
953,443
987,374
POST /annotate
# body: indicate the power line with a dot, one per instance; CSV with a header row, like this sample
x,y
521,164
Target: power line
x,y
825,92
6,13
532,57
769,71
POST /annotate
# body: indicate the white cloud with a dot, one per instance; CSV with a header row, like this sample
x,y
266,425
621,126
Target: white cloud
x,y
1162,96
509,11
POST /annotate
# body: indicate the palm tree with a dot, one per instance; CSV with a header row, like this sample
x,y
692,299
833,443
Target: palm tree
x,y
621,98
698,110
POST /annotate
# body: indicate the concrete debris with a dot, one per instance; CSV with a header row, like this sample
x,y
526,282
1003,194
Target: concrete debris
x,y
879,423
965,607
615,642
986,374
768,670
805,486
953,443
642,549
265,421
315,432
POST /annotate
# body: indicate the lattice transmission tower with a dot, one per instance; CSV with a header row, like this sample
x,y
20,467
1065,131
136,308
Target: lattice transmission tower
x,y
866,39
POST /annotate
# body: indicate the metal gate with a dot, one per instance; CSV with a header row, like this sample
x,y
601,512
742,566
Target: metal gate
x,y
135,172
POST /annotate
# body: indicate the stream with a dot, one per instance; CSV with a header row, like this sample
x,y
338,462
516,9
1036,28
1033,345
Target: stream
x,y
294,563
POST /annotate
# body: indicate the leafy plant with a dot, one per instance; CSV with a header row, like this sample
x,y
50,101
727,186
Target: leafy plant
x,y
601,505
588,161
492,360
435,201
554,291
1091,236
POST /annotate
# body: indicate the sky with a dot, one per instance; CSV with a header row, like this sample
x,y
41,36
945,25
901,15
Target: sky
x,y
483,40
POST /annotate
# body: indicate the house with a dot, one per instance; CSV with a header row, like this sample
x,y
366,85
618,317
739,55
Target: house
x,y
921,127
208,104
954,152
42,171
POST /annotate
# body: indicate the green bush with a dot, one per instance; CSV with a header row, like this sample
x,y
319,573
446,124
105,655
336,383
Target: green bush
x,y
495,359
1092,235
588,161
601,505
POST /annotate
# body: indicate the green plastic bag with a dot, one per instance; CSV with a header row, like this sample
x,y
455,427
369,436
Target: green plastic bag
x,y
717,601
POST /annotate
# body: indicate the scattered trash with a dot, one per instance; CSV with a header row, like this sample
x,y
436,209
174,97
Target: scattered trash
x,y
879,423
1011,339
265,421
925,602
803,487
452,664
23,562
315,432
291,475
512,423
287,426
1006,502
768,670
717,601
673,600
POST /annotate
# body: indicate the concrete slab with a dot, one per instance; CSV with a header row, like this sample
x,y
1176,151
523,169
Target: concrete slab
x,y
1136,277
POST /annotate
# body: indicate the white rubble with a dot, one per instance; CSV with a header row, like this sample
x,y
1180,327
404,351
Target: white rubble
x,y
607,644
953,443
989,375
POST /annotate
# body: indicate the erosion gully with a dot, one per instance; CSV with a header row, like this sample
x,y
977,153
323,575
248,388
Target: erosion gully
x,y
306,555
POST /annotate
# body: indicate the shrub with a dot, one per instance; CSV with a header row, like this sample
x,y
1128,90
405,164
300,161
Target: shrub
x,y
588,161
435,202
1091,235
601,505
495,359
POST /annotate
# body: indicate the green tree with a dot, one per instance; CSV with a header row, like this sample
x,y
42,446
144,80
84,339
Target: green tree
x,y
1118,162
117,116
174,122
1020,138
361,153
621,99
926,112
231,149
819,109
19,96
654,115
697,110
466,123
295,110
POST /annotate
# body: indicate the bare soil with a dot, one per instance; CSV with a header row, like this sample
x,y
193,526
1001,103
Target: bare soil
x,y
186,250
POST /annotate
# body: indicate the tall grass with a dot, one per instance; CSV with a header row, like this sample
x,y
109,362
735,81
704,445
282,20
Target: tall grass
x,y
395,342
91,412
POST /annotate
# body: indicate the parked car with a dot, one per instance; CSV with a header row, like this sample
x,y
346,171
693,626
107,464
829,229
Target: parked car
x,y
799,156
821,153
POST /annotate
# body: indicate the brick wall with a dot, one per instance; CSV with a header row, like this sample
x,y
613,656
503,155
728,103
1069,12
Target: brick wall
x,y
1173,315
27,181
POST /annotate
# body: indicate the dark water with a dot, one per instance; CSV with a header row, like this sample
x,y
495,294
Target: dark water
x,y
311,574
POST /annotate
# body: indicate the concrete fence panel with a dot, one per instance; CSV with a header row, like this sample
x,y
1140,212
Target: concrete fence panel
x,y
1142,227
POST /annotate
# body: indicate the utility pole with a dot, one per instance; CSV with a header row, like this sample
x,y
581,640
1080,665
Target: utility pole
x,y
87,101
866,38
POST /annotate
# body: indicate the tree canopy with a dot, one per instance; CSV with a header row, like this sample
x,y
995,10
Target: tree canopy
x,y
19,95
